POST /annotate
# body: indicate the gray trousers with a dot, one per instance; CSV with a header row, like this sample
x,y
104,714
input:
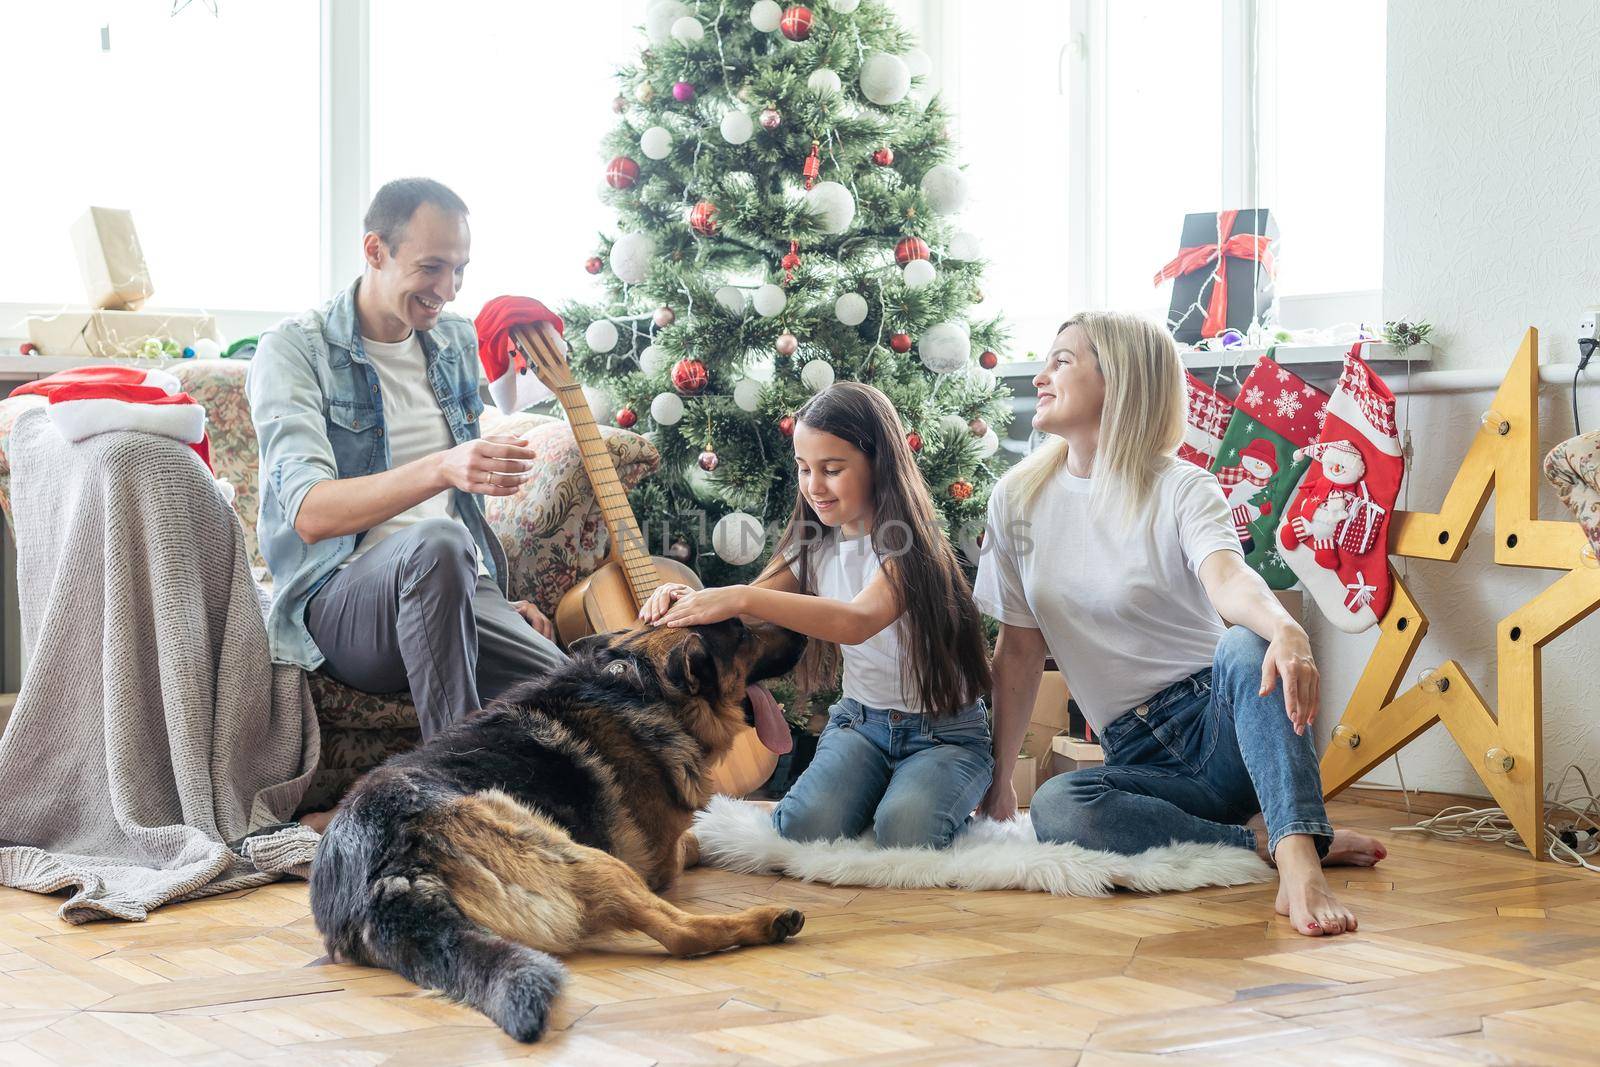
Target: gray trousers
x,y
415,614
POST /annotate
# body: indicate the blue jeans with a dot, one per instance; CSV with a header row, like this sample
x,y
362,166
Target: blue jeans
x,y
914,780
1194,763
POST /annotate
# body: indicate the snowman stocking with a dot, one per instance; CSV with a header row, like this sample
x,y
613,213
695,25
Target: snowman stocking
x,y
1206,420
1335,535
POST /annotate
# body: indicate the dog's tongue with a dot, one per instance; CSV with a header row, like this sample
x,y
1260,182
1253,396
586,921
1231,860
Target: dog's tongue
x,y
770,724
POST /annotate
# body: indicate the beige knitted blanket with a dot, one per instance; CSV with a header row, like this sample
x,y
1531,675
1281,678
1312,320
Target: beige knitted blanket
x,y
155,753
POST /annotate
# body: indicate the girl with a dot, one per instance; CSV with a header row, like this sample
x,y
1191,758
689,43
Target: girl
x,y
1107,552
863,565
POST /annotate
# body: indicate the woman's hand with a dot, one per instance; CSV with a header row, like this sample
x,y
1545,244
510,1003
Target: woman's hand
x,y
1289,657
1000,802
661,600
704,606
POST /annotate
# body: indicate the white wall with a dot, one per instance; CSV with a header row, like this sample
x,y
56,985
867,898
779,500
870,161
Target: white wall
x,y
1492,224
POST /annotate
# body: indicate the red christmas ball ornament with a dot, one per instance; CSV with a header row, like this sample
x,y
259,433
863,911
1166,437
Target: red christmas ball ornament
x,y
622,173
988,361
884,157
664,317
708,461
626,418
594,265
771,118
796,23
978,427
961,489
680,550
914,440
683,92
910,248
703,218
900,342
786,344
786,426
689,376
620,104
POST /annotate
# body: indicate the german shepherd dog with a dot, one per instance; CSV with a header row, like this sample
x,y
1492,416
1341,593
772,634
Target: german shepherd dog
x,y
551,816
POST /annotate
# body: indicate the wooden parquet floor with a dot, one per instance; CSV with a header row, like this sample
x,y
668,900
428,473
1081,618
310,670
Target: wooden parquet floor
x,y
1467,953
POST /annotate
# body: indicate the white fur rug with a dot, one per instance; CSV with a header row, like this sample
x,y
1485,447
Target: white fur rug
x,y
737,836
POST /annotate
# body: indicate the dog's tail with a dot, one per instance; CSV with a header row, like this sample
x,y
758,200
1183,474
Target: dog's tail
x,y
408,923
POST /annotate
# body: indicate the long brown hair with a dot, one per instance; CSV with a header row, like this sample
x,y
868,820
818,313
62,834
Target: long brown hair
x,y
946,663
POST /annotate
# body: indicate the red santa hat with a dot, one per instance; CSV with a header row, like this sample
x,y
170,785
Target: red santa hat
x,y
95,400
1261,449
512,383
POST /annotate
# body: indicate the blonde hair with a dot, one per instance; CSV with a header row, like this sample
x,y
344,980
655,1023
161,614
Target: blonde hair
x,y
1141,423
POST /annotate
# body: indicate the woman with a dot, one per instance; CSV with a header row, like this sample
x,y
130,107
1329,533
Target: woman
x,y
1105,551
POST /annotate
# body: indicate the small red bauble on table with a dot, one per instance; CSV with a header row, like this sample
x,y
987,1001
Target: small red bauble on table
x,y
796,23
786,426
961,489
594,265
914,440
626,418
910,248
708,461
703,218
900,342
884,157
622,173
988,361
689,376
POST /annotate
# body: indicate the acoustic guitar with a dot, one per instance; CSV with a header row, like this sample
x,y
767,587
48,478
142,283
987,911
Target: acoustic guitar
x,y
609,599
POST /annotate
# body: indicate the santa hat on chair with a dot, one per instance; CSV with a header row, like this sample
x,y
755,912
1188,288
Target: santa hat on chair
x,y
95,400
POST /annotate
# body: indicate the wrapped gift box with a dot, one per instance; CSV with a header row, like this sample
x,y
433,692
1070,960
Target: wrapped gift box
x,y
1199,308
115,334
1070,754
110,259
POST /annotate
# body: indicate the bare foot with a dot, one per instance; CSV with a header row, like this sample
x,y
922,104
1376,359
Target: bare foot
x,y
1350,849
1303,893
317,820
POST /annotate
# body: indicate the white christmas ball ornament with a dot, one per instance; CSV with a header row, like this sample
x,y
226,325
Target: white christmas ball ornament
x,y
652,360
817,375
944,188
747,394
832,205
918,62
919,272
844,7
688,30
666,408
658,19
765,15
601,406
631,256
207,348
656,142
965,246
769,300
981,377
884,79
851,309
601,336
824,81
738,538
737,127
731,299
954,424
988,444
945,347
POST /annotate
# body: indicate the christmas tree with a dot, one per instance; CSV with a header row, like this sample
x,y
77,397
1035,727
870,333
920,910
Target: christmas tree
x,y
786,205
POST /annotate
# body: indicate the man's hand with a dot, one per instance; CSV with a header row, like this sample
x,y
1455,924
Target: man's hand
x,y
1289,657
535,618
491,466
1000,802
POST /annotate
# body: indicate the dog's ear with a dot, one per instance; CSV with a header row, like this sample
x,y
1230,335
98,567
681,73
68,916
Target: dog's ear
x,y
691,668
585,646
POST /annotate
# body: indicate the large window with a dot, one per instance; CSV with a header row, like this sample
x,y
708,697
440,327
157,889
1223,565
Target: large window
x,y
205,127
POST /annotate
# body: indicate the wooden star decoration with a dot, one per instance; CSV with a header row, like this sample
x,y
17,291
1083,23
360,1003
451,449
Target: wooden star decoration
x,y
1505,750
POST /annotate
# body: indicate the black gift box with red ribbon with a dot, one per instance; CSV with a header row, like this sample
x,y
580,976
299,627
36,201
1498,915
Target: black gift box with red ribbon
x,y
1207,301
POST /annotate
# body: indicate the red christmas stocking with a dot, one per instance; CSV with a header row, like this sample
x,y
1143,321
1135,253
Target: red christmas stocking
x,y
1207,419
1335,535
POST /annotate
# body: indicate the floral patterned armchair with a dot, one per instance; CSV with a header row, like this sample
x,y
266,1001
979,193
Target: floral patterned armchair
x,y
551,531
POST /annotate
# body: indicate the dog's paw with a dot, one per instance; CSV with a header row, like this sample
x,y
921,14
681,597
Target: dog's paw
x,y
786,925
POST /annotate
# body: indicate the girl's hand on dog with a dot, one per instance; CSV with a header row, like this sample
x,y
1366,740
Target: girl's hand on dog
x,y
704,606
661,600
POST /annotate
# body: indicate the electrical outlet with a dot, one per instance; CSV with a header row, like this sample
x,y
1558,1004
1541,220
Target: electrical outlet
x,y
1589,323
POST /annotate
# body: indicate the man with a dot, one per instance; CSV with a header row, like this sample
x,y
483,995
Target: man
x,y
387,574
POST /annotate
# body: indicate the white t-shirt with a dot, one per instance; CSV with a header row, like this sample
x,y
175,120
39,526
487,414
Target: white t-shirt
x,y
1122,609
415,426
841,567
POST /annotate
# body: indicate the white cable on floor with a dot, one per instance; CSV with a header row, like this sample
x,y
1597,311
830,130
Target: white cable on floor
x,y
1492,824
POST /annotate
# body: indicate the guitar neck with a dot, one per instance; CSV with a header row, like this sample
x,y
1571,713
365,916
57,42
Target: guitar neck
x,y
628,544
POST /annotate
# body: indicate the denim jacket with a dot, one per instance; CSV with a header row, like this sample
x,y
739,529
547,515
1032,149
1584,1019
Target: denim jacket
x,y
318,414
